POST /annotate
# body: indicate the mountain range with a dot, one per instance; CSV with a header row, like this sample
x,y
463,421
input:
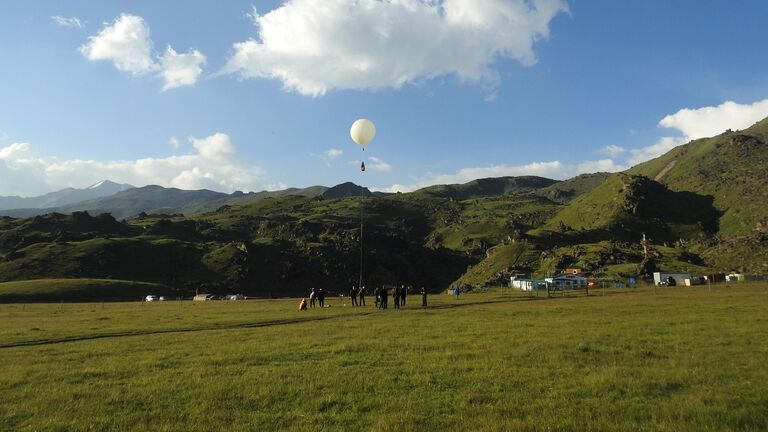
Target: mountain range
x,y
63,197
125,201
702,208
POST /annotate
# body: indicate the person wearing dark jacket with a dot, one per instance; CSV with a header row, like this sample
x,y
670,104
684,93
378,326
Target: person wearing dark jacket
x,y
321,297
361,296
423,297
353,295
396,297
383,294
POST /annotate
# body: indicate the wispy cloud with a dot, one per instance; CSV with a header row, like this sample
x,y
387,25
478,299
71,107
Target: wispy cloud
x,y
379,165
613,150
214,164
72,22
333,153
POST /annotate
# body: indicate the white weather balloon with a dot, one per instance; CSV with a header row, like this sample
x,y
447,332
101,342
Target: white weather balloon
x,y
362,132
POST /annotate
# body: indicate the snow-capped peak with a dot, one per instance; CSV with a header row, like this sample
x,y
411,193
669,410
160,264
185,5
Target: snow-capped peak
x,y
99,184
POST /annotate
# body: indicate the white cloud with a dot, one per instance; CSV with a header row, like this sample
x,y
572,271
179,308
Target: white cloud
x,y
314,46
216,147
67,21
21,171
664,145
379,165
14,150
714,120
180,70
127,44
700,123
174,142
612,150
214,165
333,153
550,169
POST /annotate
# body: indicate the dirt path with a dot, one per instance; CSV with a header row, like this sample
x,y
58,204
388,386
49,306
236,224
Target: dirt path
x,y
664,171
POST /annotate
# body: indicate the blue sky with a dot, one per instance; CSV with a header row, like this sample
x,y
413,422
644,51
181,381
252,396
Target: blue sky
x,y
260,94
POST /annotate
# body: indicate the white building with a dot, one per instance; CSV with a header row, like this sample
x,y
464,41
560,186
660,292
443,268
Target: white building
x,y
526,284
566,282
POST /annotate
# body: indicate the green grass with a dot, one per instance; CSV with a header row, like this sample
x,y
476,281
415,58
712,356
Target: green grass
x,y
682,359
52,290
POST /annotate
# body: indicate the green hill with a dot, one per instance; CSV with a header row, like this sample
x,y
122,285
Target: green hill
x,y
729,169
572,188
702,205
625,206
489,187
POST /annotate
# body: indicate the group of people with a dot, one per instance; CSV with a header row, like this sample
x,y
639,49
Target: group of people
x,y
357,297
316,296
399,295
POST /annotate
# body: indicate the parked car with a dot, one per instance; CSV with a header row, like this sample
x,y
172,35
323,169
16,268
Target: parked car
x,y
151,298
235,297
162,298
205,297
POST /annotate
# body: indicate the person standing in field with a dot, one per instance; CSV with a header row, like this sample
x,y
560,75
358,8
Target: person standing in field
x,y
353,295
312,297
377,297
423,297
403,294
396,297
361,295
321,297
383,293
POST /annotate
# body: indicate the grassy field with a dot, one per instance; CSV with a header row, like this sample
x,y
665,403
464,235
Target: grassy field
x,y
679,359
